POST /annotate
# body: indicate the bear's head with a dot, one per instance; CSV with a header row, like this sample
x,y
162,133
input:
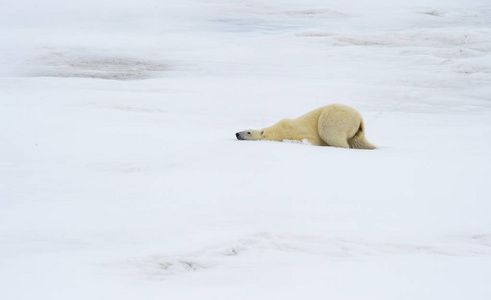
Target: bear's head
x,y
251,134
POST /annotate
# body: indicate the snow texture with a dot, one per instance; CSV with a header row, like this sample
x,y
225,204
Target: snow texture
x,y
121,178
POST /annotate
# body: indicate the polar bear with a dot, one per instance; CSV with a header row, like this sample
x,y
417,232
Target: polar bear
x,y
334,125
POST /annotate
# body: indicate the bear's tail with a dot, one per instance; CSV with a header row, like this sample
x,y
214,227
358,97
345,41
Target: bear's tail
x,y
358,141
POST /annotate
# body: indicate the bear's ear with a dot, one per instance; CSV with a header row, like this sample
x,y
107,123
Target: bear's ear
x,y
262,133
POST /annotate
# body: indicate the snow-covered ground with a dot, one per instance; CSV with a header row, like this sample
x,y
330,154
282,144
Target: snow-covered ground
x,y
121,178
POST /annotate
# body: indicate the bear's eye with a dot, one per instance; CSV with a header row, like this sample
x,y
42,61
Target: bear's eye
x,y
248,132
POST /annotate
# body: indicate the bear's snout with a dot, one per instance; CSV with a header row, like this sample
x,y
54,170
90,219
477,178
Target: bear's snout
x,y
237,135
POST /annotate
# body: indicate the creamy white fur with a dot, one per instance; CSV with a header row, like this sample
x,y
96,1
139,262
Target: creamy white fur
x,y
334,125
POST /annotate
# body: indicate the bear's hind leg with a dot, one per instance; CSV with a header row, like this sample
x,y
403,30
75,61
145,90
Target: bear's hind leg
x,y
339,141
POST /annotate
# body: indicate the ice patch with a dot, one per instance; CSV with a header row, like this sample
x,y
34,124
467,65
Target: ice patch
x,y
463,39
324,12
127,108
314,34
97,66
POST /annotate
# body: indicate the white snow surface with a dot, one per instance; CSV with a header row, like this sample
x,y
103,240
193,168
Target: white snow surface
x,y
121,178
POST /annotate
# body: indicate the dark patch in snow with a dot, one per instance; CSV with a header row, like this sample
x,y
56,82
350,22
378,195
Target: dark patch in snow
x,y
270,245
433,13
186,265
482,239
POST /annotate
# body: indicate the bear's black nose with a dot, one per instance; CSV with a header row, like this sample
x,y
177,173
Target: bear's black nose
x,y
237,135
